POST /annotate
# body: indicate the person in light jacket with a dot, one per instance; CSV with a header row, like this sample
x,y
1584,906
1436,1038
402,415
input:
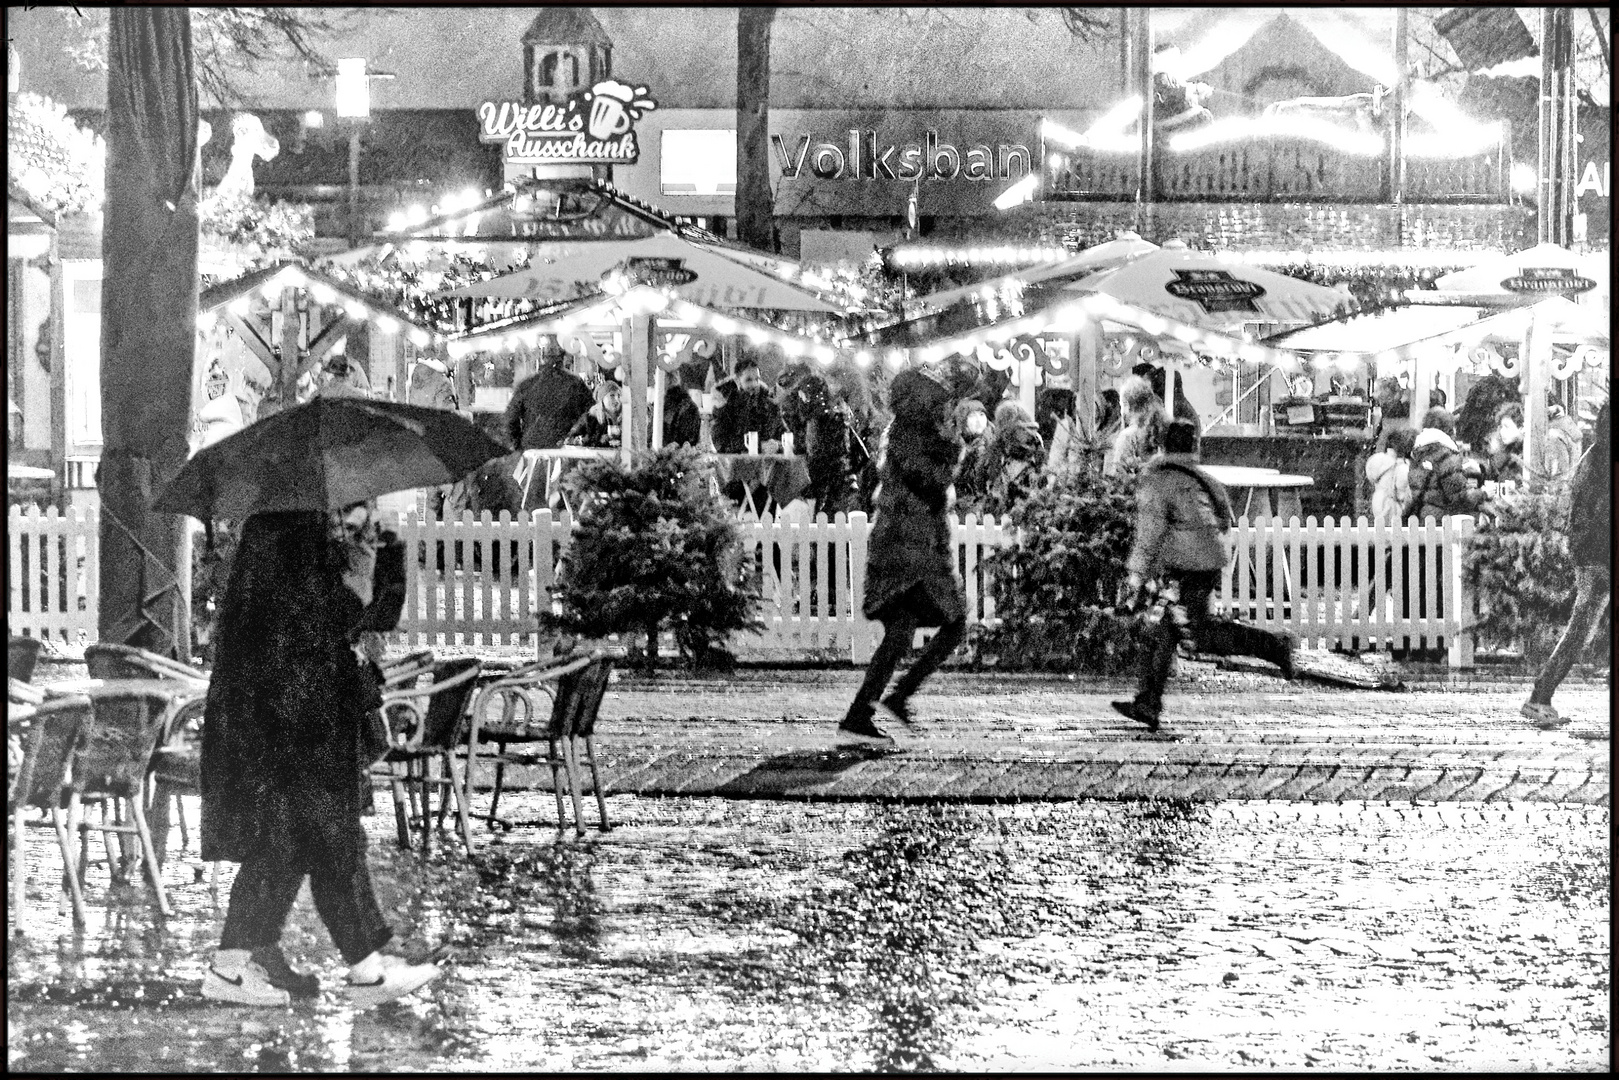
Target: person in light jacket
x,y
1182,515
1389,470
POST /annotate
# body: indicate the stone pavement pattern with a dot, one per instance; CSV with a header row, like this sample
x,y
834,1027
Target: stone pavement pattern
x,y
772,734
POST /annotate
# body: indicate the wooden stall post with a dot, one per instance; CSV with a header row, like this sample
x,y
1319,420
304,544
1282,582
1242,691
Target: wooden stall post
x,y
1534,359
638,355
1422,369
1084,351
660,383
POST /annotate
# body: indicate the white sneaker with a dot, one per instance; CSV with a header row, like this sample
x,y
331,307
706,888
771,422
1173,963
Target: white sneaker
x,y
238,980
380,978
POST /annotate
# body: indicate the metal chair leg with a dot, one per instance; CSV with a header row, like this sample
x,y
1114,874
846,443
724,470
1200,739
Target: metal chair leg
x,y
570,759
596,780
556,760
154,870
70,867
401,801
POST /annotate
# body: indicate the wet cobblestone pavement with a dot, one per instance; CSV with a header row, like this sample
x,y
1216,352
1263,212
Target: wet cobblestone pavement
x,y
723,934
1053,932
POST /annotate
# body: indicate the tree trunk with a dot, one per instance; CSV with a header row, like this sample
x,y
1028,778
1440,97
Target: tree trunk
x,y
755,206
148,320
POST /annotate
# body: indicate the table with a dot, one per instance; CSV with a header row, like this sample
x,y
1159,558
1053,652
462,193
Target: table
x,y
1243,481
785,476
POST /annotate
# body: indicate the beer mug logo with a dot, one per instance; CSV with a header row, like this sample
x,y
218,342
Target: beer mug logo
x,y
614,108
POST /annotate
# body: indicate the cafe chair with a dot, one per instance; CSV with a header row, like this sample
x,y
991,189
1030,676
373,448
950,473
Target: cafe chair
x,y
43,739
113,768
177,763
22,656
426,724
575,686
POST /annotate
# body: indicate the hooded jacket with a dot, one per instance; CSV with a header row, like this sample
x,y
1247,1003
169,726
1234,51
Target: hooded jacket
x,y
1590,518
910,546
1390,475
1438,484
1562,450
1181,518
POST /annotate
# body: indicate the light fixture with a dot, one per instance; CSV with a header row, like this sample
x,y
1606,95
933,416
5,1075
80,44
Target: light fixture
x,y
353,88
1021,192
1522,178
314,118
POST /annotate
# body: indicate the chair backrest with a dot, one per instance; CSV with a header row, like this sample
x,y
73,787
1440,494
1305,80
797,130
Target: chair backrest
x,y
454,682
578,699
120,742
22,656
52,735
109,660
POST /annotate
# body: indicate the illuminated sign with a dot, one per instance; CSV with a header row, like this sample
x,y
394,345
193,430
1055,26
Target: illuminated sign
x,y
1215,290
594,127
650,270
1553,280
862,157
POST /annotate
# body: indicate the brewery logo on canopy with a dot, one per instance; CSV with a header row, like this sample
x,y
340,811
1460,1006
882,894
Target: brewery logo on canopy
x,y
594,127
1544,280
1215,290
651,270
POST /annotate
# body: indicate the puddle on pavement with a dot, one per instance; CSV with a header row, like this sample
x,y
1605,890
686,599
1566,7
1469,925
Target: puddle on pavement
x,y
708,934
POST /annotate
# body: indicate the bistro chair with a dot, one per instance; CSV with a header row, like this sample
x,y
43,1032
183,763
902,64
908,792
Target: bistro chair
x,y
575,686
113,770
22,656
176,766
427,723
42,741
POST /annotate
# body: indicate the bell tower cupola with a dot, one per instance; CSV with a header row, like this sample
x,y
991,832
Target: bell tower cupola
x,y
565,50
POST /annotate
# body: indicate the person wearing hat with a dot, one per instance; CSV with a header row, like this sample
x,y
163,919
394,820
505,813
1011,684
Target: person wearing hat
x,y
431,386
602,425
911,576
543,410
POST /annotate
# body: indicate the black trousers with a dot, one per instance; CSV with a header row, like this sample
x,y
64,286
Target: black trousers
x,y
898,631
1218,635
332,855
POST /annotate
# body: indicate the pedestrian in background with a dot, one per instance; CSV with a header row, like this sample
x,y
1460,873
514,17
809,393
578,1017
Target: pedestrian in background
x,y
1503,456
1438,477
1389,471
682,420
284,769
1590,548
830,448
972,477
1182,516
1016,462
1142,432
543,410
431,385
602,425
1563,447
749,410
911,578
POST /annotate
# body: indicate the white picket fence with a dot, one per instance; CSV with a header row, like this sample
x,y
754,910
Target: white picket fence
x,y
481,581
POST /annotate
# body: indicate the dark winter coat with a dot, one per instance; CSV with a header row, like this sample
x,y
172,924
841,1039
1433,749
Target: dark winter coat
x,y
911,560
289,700
544,409
1182,514
742,412
682,421
1590,520
1439,487
830,449
1013,467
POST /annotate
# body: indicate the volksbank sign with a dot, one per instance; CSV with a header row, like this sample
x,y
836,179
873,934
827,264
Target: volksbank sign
x,y
863,155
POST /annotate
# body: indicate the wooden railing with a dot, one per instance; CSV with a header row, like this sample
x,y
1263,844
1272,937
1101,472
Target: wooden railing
x,y
482,581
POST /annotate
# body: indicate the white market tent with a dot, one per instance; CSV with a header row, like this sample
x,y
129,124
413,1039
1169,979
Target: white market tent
x,y
1126,246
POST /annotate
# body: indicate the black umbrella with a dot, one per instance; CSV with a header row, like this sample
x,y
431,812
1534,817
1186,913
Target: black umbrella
x,y
324,455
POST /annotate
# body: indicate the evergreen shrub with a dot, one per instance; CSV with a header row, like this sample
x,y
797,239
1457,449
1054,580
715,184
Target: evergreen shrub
x,y
655,547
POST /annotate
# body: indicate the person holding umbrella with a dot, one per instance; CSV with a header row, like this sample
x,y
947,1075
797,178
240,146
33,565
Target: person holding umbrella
x,y
291,698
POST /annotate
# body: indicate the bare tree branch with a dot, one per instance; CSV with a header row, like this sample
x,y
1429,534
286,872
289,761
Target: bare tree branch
x,y
1089,25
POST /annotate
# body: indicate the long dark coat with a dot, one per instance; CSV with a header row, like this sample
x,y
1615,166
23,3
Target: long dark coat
x,y
289,698
545,407
1590,519
911,561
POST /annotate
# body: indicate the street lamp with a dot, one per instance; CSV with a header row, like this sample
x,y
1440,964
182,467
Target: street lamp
x,y
354,107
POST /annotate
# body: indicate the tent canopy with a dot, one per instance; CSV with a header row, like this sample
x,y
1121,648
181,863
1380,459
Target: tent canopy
x,y
1212,292
1402,328
1124,248
1518,275
710,278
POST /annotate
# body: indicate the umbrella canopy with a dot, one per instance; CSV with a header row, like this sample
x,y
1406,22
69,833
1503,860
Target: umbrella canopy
x,y
698,273
1208,291
325,455
1126,247
1540,271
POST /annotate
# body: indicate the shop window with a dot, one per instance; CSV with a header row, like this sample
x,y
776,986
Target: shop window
x,y
697,162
